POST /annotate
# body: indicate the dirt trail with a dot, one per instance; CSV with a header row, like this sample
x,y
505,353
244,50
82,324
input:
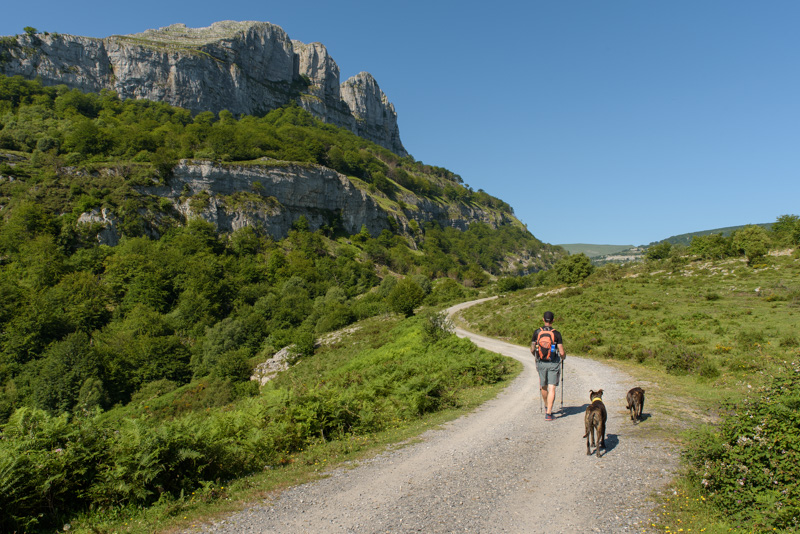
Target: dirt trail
x,y
502,468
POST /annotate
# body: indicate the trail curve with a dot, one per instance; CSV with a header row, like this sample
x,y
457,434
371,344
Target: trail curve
x,y
499,469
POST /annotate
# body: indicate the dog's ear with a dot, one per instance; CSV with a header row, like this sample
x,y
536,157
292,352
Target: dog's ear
x,y
600,392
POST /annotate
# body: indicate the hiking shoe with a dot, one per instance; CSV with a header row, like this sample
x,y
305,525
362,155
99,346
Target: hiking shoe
x,y
548,417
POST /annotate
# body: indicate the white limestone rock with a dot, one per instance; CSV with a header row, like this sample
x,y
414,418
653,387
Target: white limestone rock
x,y
244,67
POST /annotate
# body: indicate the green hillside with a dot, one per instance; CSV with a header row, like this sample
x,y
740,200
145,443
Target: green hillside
x,y
716,341
593,251
686,239
125,371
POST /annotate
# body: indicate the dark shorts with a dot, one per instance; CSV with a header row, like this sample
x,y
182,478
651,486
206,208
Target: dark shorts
x,y
549,373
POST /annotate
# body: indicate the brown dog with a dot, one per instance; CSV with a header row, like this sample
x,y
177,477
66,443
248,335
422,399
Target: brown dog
x,y
636,403
595,419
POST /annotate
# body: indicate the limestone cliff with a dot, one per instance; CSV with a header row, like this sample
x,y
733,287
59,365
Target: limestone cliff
x,y
244,67
272,195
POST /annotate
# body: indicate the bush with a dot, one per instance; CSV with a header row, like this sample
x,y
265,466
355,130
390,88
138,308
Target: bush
x,y
405,296
751,241
233,364
446,291
709,371
680,361
661,251
573,269
749,467
510,283
436,326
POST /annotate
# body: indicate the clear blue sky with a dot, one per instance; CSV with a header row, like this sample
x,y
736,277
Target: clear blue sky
x,y
605,122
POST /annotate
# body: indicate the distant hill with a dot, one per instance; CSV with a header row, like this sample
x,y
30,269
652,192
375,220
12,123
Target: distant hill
x,y
594,250
602,254
686,239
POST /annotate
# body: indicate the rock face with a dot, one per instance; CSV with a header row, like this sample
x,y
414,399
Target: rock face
x,y
244,67
274,195
270,196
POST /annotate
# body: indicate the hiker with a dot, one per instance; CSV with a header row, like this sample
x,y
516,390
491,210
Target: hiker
x,y
548,349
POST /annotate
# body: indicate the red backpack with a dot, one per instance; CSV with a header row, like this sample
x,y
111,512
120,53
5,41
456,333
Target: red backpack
x,y
545,343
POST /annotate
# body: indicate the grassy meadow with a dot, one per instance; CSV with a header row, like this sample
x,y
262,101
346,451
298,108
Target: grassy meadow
x,y
720,342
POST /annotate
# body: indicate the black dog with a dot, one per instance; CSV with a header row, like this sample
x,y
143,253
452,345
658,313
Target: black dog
x,y
636,403
595,419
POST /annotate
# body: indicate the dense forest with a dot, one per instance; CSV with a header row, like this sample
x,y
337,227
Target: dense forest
x,y
89,332
87,323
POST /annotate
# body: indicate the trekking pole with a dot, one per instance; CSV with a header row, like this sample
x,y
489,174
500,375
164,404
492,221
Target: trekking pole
x,y
562,383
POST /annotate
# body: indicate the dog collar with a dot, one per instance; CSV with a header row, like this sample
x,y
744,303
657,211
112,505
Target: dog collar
x,y
597,399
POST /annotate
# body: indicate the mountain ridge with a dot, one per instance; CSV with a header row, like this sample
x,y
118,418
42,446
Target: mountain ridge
x,y
247,68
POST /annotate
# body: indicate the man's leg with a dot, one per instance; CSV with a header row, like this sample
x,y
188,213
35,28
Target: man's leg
x,y
550,397
544,395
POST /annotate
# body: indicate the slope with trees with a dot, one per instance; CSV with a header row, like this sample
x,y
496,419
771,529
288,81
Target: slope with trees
x,y
125,370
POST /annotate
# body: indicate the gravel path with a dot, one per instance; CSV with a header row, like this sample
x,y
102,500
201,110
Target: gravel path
x,y
502,468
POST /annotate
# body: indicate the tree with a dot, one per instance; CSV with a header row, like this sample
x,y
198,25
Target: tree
x,y
68,364
786,230
660,251
405,296
573,269
752,241
711,246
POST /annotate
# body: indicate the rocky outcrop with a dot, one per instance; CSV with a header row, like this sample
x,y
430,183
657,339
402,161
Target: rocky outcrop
x,y
374,114
273,195
106,223
244,67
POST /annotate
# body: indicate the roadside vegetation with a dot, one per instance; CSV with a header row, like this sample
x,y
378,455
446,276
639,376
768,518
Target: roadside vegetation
x,y
125,387
714,324
173,450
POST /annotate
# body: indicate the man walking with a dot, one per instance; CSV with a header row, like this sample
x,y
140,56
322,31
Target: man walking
x,y
548,349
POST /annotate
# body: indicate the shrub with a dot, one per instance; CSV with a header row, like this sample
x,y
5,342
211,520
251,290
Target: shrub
x,y
510,283
304,341
405,296
661,251
573,269
749,467
618,352
233,364
446,291
708,370
680,361
436,326
642,354
750,339
751,241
